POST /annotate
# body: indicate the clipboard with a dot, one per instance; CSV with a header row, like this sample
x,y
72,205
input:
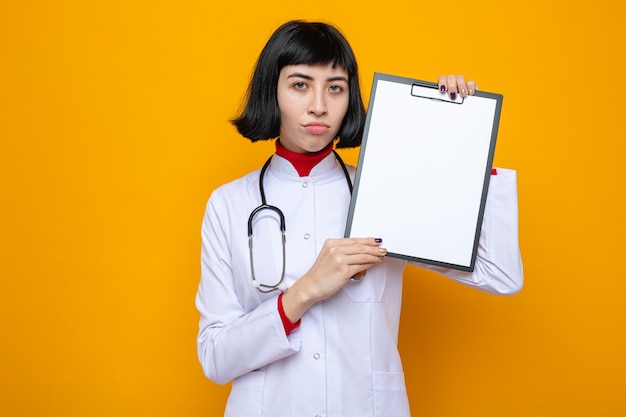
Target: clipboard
x,y
424,169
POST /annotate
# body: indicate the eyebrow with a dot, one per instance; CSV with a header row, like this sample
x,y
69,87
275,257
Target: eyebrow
x,y
308,77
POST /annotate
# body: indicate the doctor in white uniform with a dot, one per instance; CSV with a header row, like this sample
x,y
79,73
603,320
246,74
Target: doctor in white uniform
x,y
294,324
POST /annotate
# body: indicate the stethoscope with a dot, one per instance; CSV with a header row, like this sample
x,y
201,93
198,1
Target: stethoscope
x,y
280,285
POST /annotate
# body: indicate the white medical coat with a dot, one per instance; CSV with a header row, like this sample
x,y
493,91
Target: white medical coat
x,y
343,360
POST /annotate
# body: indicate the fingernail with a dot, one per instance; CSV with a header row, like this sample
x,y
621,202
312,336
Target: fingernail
x,y
452,96
471,92
443,88
462,91
378,240
382,250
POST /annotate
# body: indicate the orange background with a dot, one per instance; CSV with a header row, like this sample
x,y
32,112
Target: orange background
x,y
113,129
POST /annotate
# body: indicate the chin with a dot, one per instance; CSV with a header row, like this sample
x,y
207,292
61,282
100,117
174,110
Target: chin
x,y
317,147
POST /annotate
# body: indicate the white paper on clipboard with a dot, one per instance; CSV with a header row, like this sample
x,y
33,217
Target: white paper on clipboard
x,y
424,169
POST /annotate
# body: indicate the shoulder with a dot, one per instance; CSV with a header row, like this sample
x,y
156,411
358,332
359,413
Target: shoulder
x,y
504,176
227,199
231,200
235,189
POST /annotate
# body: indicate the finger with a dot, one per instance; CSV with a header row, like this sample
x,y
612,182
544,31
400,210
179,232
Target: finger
x,y
370,257
358,254
367,249
452,87
443,83
353,251
462,85
356,241
471,87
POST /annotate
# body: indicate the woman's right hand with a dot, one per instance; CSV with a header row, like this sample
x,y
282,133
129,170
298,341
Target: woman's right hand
x,y
338,261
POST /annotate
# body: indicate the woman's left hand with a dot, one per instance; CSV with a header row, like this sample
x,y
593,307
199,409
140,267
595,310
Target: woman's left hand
x,y
456,84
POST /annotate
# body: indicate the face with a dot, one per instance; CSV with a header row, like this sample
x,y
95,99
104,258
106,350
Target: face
x,y
313,100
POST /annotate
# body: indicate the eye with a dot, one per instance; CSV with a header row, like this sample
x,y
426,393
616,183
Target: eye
x,y
300,85
336,89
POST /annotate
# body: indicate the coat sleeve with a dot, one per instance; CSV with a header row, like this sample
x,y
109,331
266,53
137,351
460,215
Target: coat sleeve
x,y
498,268
232,341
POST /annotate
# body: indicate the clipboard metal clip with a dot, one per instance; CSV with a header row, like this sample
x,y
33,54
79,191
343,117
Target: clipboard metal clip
x,y
430,91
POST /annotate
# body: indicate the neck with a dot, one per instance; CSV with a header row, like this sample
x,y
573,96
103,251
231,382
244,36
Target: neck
x,y
303,162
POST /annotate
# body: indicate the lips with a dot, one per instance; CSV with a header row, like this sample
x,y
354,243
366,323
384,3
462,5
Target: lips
x,y
317,128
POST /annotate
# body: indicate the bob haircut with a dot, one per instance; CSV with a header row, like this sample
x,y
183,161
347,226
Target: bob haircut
x,y
299,42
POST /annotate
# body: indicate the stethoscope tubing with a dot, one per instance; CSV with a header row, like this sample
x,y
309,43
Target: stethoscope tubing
x,y
280,285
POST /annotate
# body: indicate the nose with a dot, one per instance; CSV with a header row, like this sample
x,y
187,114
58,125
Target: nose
x,y
317,104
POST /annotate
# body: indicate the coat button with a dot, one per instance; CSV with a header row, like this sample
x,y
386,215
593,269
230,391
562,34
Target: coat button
x,y
316,356
305,184
307,236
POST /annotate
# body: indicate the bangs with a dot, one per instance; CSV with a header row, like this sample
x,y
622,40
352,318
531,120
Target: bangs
x,y
315,45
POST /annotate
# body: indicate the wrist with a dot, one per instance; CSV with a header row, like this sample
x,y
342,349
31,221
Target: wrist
x,y
296,301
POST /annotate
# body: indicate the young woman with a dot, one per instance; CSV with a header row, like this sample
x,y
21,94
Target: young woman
x,y
288,316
